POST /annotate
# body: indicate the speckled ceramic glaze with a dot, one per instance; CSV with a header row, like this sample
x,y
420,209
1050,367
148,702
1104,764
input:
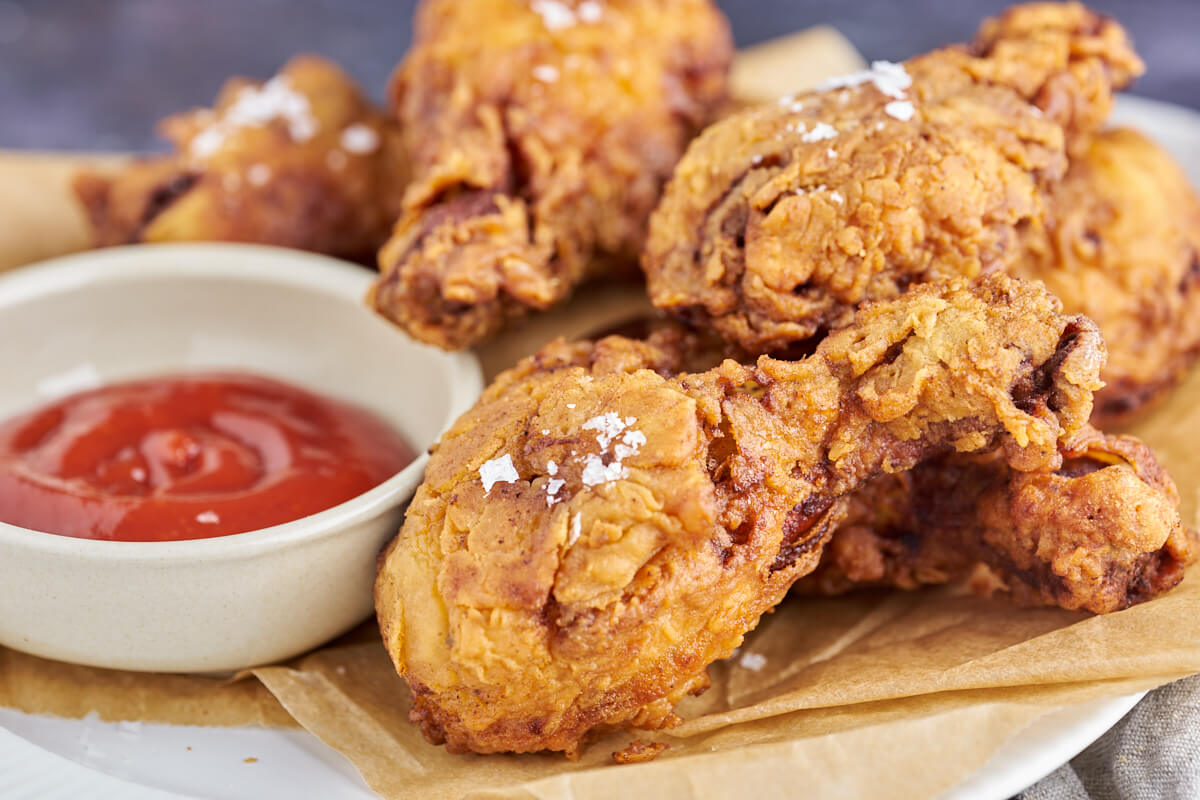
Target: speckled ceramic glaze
x,y
234,601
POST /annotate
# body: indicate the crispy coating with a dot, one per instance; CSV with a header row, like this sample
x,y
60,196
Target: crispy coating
x,y
1122,245
541,133
780,219
596,531
1111,507
639,752
1101,533
303,160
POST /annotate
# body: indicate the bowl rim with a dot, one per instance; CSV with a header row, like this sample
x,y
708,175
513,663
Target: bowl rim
x,y
230,262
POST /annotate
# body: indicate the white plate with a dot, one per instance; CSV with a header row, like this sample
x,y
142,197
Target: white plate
x,y
153,761
46,758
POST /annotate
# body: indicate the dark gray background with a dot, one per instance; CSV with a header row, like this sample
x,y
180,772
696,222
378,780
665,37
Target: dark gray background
x,y
97,74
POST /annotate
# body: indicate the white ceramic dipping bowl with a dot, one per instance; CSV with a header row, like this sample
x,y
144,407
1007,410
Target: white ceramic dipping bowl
x,y
229,602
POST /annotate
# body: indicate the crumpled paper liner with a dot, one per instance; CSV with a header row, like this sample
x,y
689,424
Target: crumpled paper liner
x,y
41,219
792,63
40,686
875,695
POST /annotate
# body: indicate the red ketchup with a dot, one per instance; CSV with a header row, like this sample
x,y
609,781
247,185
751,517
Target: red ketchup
x,y
188,457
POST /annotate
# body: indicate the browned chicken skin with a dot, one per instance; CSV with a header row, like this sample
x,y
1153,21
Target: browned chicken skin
x,y
541,133
595,532
1122,245
779,220
1099,533
302,160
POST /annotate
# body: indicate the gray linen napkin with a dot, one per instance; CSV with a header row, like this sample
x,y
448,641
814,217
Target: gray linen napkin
x,y
1153,753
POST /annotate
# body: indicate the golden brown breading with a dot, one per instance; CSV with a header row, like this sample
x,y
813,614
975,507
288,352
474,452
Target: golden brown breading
x,y
1100,533
302,160
1122,245
780,219
594,533
639,752
1111,505
541,133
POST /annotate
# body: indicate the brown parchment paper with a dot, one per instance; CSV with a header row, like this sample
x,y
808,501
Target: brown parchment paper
x,y
41,220
40,686
875,695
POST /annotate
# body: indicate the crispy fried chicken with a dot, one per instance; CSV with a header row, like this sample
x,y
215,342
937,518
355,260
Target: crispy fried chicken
x,y
1101,533
302,160
781,219
541,133
599,529
1121,244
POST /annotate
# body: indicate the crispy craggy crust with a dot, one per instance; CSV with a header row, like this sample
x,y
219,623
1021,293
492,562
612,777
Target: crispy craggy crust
x,y
1101,533
639,752
1063,57
1122,245
780,219
272,183
541,135
526,616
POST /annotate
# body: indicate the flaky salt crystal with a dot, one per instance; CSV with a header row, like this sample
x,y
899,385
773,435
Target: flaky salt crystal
x,y
753,661
819,132
207,142
890,79
359,139
552,487
255,106
555,15
607,426
595,472
590,11
498,470
630,445
900,109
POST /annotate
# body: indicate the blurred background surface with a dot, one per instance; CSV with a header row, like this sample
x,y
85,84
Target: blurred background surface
x,y
97,74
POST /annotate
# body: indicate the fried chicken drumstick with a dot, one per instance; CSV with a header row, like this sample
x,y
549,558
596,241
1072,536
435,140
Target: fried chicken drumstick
x,y
302,160
597,530
541,133
1122,245
1100,533
779,220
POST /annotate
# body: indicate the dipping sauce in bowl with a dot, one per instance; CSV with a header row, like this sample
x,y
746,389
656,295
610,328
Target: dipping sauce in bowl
x,y
189,457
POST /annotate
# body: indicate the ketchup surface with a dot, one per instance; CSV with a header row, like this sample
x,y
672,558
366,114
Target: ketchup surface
x,y
189,457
